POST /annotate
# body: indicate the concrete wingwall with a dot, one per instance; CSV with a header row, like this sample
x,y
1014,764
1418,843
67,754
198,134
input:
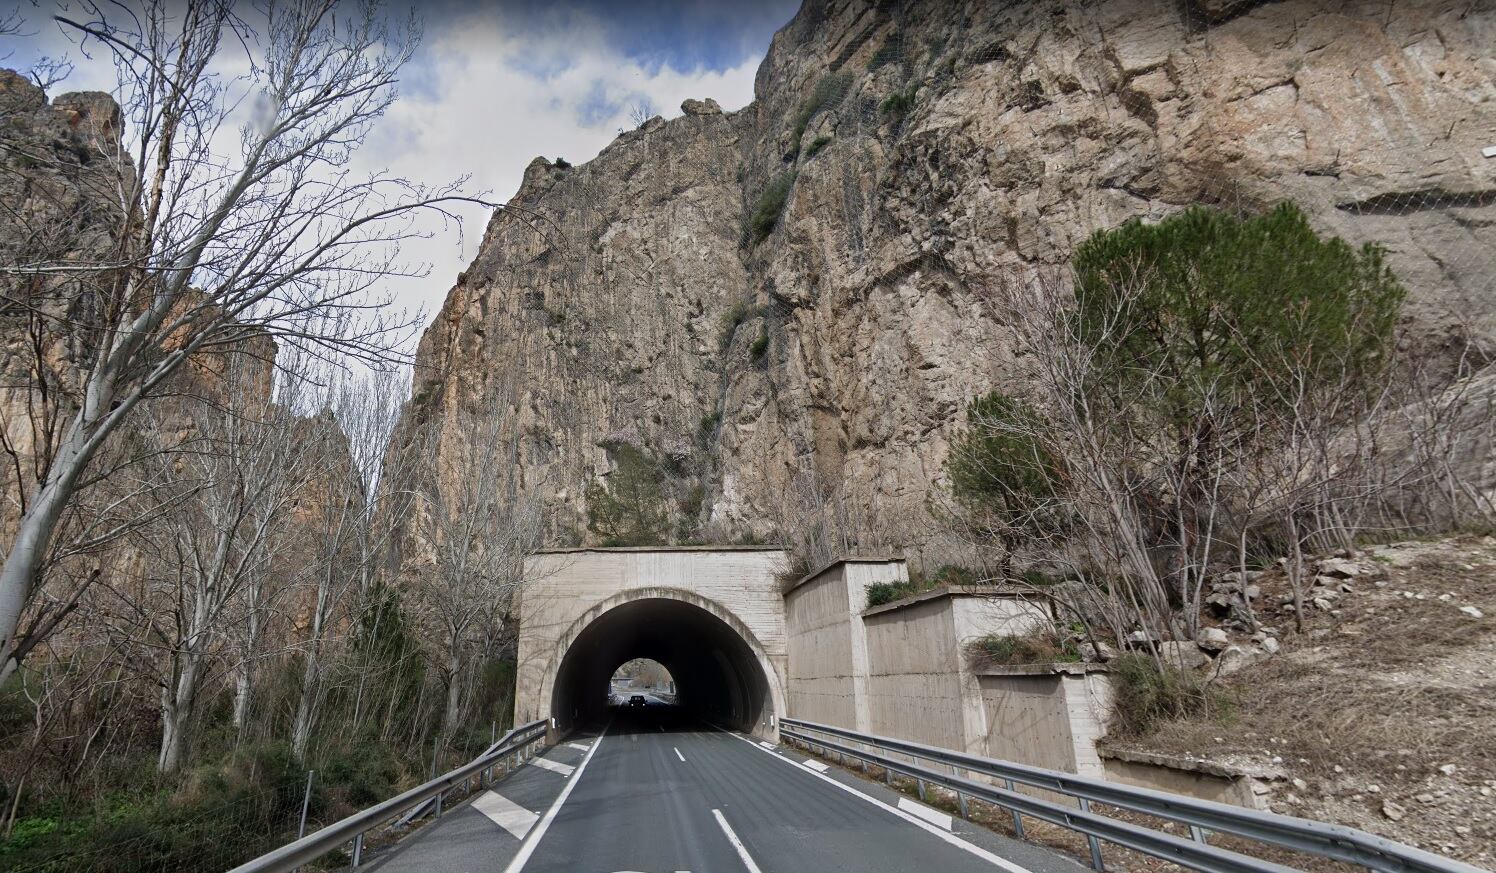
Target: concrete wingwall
x,y
902,670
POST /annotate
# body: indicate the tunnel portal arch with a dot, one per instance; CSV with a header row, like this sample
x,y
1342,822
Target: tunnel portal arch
x,y
720,669
713,616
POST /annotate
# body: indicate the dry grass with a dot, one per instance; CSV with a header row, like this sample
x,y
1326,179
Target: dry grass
x,y
1045,646
1372,701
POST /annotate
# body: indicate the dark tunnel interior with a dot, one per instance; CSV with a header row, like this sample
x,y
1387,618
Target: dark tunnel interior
x,y
717,678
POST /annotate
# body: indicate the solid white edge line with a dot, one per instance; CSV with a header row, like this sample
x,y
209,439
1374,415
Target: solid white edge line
x,y
909,817
679,755
736,843
527,848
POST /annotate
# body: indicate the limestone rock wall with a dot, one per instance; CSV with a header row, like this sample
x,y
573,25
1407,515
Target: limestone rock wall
x,y
935,146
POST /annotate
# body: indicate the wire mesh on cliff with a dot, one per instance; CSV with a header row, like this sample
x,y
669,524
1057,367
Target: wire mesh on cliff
x,y
786,291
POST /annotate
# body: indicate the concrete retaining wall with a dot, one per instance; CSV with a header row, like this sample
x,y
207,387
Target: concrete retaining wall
x,y
901,670
1046,715
1191,778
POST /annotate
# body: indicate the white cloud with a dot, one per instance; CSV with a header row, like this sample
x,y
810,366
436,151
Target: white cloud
x,y
486,100
484,95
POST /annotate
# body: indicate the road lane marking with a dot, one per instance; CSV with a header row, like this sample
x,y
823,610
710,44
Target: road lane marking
x,y
547,764
912,819
506,813
527,848
583,746
679,755
769,746
736,843
933,816
815,765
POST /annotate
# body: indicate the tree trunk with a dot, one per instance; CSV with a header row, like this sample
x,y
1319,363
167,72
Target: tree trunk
x,y
176,715
35,527
23,562
454,693
306,704
243,691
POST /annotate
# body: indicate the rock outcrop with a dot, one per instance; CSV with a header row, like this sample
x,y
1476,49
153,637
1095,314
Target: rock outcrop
x,y
651,298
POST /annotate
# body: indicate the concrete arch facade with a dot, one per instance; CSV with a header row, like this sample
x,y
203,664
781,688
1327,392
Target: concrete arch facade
x,y
567,592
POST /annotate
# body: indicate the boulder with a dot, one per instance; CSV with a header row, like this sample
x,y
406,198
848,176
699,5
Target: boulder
x,y
1212,639
1140,640
1097,653
1235,658
701,107
1186,656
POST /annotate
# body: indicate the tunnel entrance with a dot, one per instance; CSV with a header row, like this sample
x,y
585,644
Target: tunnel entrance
x,y
717,677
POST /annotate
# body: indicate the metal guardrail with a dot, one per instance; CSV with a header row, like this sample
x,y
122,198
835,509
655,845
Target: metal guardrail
x,y
353,828
1320,839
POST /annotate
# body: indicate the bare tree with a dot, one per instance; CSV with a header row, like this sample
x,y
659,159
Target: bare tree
x,y
642,111
477,524
246,470
234,212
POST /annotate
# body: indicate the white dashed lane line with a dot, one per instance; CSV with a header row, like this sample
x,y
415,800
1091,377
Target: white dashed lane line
x,y
736,843
679,755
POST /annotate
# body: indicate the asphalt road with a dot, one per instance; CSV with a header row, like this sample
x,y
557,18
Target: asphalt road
x,y
653,794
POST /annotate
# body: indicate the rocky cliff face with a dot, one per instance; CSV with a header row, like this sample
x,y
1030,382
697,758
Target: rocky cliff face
x,y
928,149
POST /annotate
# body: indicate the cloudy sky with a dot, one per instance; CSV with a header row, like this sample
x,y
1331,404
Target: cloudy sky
x,y
496,83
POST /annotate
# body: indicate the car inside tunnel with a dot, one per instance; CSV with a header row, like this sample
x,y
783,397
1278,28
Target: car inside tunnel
x,y
717,677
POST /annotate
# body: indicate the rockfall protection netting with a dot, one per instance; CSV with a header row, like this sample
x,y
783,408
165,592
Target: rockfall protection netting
x,y
899,156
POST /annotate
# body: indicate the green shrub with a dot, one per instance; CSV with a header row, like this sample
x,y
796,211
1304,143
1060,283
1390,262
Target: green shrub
x,y
563,164
1250,310
735,315
1045,646
827,94
1147,693
770,204
1003,475
946,575
631,509
708,424
760,347
816,145
898,104
880,593
224,815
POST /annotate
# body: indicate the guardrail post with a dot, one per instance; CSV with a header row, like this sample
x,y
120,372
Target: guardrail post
x,y
1017,816
358,850
1095,844
921,788
439,796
